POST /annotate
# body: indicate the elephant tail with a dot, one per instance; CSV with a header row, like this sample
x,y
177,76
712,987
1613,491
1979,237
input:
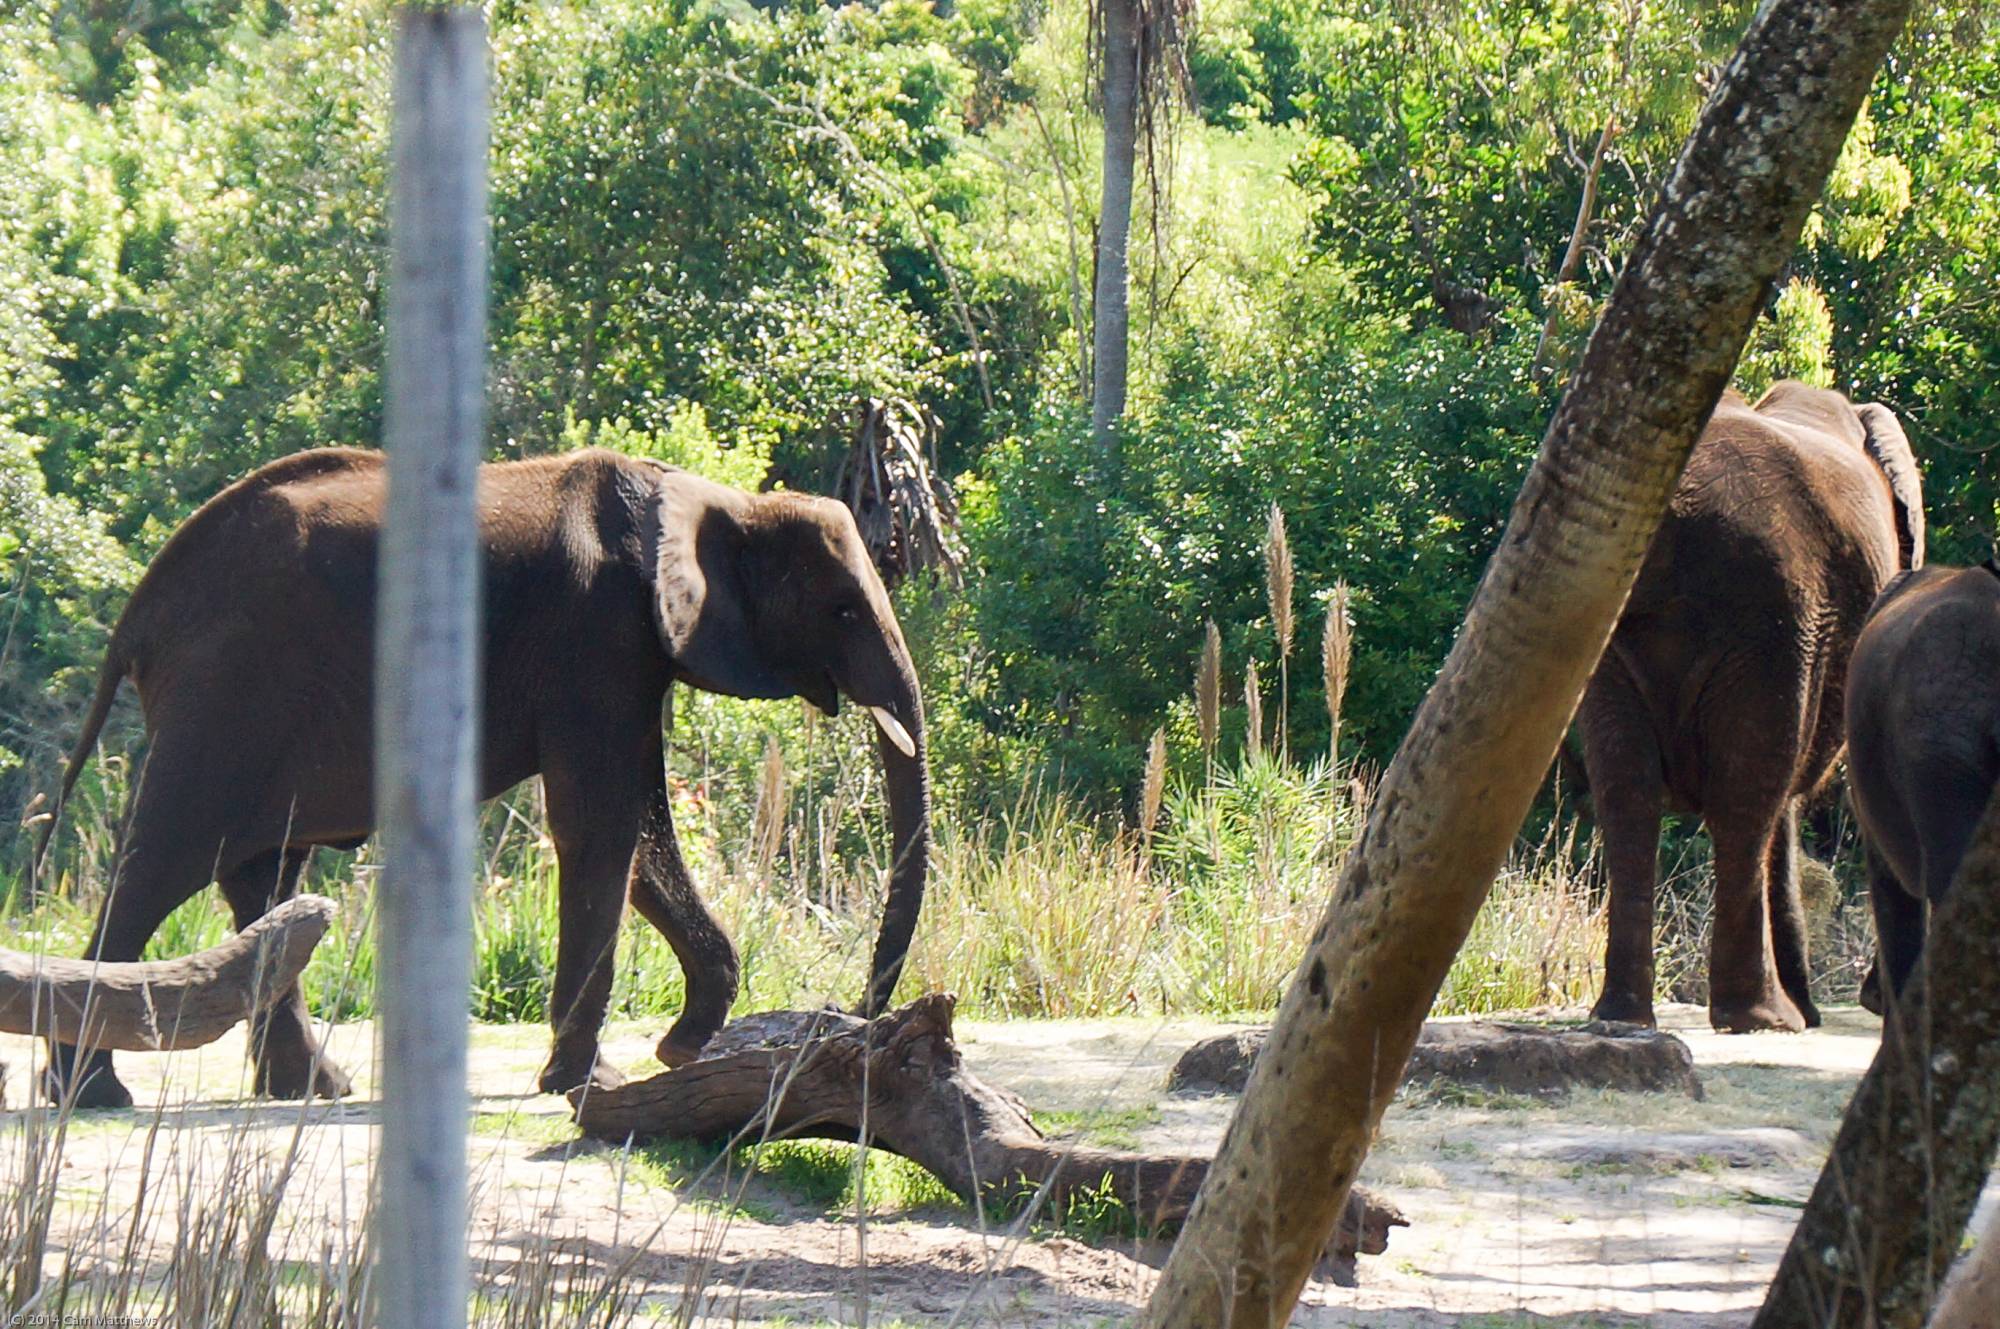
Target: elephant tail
x,y
108,678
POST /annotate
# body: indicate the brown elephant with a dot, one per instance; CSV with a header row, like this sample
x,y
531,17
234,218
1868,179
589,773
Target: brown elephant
x,y
1923,747
250,642
1720,692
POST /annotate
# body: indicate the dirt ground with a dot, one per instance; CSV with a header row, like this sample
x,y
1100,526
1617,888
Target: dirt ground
x,y
1605,1209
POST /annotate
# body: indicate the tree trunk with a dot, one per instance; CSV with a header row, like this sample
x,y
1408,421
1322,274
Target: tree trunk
x,y
158,1005
1969,1298
1453,799
786,1074
1916,1145
1111,326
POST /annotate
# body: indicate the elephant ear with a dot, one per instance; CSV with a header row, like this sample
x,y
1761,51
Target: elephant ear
x,y
1890,448
700,566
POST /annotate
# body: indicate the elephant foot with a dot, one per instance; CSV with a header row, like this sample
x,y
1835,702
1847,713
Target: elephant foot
x,y
101,1088
301,1078
1623,1008
563,1074
1871,991
1769,1013
1810,1013
674,1052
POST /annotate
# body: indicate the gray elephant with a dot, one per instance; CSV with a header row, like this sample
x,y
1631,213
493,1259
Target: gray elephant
x,y
1720,692
1923,747
250,642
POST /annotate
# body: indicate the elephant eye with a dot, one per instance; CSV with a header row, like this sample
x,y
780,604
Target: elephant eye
x,y
847,614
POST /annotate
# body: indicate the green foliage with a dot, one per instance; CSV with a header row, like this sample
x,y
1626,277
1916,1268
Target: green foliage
x,y
715,228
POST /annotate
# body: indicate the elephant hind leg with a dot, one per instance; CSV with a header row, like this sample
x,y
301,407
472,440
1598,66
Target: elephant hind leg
x,y
665,896
170,849
1628,791
289,1060
1744,990
1788,914
1899,933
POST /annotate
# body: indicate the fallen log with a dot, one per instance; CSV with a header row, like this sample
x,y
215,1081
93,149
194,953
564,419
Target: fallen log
x,y
901,1079
160,1005
1489,1054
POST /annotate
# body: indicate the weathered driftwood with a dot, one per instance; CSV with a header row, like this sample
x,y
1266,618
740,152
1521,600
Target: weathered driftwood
x,y
1488,1054
815,1073
159,1005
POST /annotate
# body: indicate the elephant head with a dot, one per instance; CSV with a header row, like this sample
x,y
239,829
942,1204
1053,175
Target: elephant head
x,y
774,595
1890,448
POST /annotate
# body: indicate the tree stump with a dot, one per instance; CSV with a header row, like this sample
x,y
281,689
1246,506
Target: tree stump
x,y
1486,1054
900,1082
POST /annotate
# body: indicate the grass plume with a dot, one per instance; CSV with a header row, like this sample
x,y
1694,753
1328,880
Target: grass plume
x,y
1278,587
1336,655
1208,690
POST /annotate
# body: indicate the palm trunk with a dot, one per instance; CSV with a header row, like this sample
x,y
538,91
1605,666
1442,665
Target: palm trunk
x,y
1111,328
1454,798
907,780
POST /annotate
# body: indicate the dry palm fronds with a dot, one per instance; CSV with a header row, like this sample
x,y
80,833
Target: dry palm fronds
x,y
907,513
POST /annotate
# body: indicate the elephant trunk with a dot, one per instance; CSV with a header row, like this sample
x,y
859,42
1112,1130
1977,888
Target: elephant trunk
x,y
906,776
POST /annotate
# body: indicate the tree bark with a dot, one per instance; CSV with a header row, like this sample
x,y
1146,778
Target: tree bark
x,y
1111,318
804,1073
1454,797
1916,1146
161,1005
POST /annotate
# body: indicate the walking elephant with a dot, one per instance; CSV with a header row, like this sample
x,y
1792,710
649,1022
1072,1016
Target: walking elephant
x,y
1720,692
250,642
1923,747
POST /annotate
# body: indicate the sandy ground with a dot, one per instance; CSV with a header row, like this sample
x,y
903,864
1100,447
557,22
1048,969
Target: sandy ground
x,y
1605,1209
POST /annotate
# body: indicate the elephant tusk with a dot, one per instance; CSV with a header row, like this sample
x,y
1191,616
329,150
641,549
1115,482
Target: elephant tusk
x,y
894,729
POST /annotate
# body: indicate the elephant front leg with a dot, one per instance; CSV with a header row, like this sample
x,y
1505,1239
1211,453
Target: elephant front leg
x,y
1744,992
595,832
664,895
1788,915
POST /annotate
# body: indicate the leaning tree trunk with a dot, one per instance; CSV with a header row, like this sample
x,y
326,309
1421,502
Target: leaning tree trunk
x,y
1973,1291
157,1005
1111,318
1916,1145
1453,799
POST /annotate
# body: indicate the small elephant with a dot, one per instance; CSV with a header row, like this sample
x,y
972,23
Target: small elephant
x,y
1923,748
1720,691
250,641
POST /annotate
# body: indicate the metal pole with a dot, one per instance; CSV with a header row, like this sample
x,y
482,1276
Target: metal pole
x,y
426,664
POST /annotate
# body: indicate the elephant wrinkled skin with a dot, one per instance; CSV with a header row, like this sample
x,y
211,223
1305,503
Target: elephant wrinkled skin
x,y
1720,693
1923,747
250,641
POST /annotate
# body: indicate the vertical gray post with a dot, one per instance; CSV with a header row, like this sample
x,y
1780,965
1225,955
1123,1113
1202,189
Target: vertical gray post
x,y
426,662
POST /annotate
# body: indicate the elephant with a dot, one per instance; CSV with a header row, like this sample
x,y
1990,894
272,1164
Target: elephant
x,y
1923,748
1720,692
250,642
